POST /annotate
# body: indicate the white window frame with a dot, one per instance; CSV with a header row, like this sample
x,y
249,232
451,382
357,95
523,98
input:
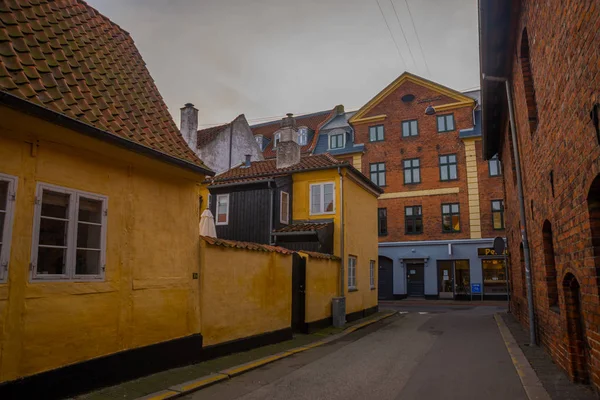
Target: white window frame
x,y
322,198
372,273
330,134
276,139
217,210
259,141
70,274
8,222
281,219
302,134
352,261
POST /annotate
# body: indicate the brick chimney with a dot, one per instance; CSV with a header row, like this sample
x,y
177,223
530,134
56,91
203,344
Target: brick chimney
x,y
189,125
288,149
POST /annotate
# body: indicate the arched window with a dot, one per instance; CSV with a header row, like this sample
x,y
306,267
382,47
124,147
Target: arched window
x,y
528,83
550,266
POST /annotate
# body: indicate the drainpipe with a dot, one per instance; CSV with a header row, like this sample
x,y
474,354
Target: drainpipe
x,y
342,232
517,160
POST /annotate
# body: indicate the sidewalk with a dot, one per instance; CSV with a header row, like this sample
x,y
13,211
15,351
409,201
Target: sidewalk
x,y
165,379
552,377
426,302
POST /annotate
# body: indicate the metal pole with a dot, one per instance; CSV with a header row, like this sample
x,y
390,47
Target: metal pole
x,y
517,161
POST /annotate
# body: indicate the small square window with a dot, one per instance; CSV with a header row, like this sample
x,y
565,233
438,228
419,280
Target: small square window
x,y
410,128
322,198
376,133
494,166
445,123
222,209
336,141
377,171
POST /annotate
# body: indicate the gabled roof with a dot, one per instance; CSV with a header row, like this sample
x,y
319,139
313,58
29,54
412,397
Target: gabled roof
x,y
64,57
261,170
311,121
207,135
303,227
461,99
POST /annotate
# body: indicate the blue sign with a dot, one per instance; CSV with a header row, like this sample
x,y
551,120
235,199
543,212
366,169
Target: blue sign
x,y
476,288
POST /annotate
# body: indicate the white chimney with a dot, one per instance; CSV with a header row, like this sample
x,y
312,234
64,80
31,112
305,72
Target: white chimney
x,y
189,125
288,149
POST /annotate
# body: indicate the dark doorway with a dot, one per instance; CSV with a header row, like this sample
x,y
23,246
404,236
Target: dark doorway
x,y
415,272
386,278
578,349
445,279
298,294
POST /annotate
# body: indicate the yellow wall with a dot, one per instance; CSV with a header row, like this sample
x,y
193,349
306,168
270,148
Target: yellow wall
x,y
244,293
147,296
322,282
360,217
360,213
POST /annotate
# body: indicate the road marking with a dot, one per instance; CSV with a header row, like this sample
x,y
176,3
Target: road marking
x,y
423,312
529,379
402,312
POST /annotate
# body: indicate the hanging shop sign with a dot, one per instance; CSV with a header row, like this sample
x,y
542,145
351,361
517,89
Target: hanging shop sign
x,y
488,251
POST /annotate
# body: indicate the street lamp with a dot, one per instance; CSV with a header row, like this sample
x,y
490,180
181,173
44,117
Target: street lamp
x,y
429,110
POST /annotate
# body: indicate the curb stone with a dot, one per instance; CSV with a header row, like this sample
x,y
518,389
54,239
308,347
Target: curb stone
x,y
529,379
205,381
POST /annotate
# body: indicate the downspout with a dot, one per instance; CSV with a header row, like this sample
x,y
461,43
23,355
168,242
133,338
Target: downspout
x,y
271,193
517,160
342,232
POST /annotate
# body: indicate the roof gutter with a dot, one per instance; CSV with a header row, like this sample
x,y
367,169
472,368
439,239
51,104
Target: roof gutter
x,y
225,185
65,121
299,233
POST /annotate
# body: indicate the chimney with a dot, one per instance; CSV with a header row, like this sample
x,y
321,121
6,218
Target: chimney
x,y
248,161
288,149
189,125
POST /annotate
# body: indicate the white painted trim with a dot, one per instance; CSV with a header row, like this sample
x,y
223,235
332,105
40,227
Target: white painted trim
x,y
71,242
276,139
305,136
352,284
287,220
11,200
322,198
217,210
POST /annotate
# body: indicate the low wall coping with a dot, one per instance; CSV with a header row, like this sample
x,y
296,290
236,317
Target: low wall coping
x,y
246,245
323,256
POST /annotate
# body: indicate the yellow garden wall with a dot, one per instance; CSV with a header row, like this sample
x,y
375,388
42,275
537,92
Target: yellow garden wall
x,y
147,295
322,284
244,292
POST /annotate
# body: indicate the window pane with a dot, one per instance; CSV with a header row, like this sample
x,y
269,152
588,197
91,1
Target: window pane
x,y
446,209
315,203
88,236
406,163
418,210
449,122
51,260
497,218
381,179
90,210
444,173
443,159
456,222
452,158
407,176
441,125
328,197
3,195
454,208
373,167
446,223
409,225
415,162
53,232
374,177
495,205
408,211
414,130
405,128
380,133
416,175
453,173
55,204
88,262
419,225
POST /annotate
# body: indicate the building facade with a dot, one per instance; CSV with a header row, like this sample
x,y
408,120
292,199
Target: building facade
x,y
551,62
443,203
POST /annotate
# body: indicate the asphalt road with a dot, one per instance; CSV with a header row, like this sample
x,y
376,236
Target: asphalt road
x,y
427,352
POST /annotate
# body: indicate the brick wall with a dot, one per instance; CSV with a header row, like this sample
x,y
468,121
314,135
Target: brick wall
x,y
490,188
564,65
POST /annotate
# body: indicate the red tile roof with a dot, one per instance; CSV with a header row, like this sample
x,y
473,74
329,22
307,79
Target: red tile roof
x,y
245,245
260,170
67,57
322,256
303,227
312,121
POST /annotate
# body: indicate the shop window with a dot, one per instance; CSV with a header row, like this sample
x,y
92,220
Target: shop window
x,y
462,273
69,239
450,217
382,221
494,277
550,266
7,201
413,220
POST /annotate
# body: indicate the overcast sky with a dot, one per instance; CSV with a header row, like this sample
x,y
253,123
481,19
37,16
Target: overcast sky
x,y
265,58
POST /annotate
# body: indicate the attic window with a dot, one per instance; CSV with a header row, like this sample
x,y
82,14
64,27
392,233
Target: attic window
x,y
407,98
276,140
259,140
302,136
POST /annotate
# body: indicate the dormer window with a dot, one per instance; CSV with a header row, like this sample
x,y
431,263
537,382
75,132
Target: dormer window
x,y
276,139
259,139
302,136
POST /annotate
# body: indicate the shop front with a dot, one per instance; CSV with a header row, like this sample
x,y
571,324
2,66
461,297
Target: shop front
x,y
495,279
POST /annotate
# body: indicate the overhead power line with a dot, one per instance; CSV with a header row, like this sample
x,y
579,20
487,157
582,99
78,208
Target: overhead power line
x,y
403,34
418,40
391,34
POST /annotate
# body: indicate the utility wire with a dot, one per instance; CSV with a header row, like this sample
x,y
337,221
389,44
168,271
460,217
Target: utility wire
x,y
418,40
403,34
391,34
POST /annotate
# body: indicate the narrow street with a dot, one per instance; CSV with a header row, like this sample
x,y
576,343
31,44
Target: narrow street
x,y
426,352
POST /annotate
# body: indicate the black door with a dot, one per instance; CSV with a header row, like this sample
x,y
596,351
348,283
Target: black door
x,y
415,279
386,278
298,294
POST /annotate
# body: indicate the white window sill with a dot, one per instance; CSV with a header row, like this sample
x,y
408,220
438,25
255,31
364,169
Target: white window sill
x,y
353,289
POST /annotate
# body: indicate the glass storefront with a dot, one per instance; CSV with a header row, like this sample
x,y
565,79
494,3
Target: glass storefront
x,y
494,277
462,272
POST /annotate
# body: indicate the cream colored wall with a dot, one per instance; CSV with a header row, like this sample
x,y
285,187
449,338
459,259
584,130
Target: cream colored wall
x,y
244,293
147,295
360,217
473,189
322,282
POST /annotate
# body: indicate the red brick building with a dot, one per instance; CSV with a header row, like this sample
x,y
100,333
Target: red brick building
x,y
550,57
437,210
